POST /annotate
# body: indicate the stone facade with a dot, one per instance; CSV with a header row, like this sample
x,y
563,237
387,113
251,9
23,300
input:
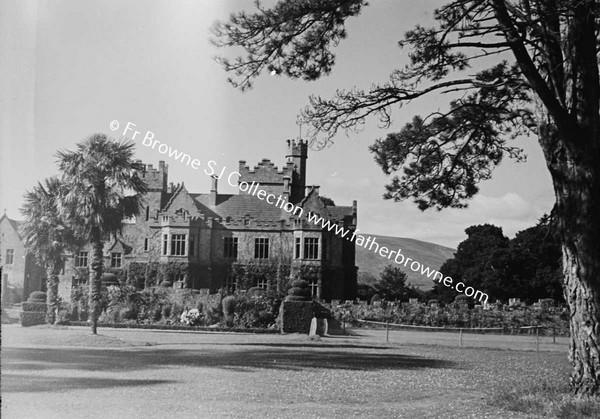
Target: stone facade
x,y
193,239
20,274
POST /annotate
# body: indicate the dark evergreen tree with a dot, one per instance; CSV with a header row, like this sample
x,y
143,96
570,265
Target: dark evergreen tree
x,y
392,285
535,262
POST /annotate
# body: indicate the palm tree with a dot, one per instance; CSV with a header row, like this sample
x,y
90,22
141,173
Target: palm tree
x,y
102,188
46,236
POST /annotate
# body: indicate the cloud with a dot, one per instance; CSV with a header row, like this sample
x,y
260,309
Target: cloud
x,y
510,211
510,206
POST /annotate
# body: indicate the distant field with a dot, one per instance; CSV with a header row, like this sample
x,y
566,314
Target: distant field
x,y
429,254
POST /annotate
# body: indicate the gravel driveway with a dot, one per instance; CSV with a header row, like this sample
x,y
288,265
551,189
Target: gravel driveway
x,y
66,373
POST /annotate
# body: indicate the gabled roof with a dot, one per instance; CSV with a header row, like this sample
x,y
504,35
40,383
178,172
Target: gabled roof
x,y
118,245
13,223
312,202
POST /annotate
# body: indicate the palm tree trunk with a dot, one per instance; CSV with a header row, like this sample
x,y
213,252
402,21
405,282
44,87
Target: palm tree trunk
x,y
52,292
95,283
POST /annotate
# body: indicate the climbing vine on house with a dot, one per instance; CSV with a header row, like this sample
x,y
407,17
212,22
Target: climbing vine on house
x,y
142,274
248,274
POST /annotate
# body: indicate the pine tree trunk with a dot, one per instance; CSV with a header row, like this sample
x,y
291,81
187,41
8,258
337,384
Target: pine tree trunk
x,y
95,283
576,176
582,293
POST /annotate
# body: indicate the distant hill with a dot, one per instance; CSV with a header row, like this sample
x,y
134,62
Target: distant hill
x,y
429,254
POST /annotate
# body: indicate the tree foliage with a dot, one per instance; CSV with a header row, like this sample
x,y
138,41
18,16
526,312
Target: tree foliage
x,y
46,236
526,267
102,188
444,155
44,233
292,38
545,79
392,285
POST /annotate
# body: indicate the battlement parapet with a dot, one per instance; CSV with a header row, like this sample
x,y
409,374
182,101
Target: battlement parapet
x,y
156,178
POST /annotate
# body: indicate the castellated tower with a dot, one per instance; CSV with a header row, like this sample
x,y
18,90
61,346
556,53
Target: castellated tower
x,y
297,153
156,178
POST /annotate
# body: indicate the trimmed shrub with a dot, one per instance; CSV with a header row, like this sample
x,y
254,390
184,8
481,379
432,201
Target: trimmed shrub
x,y
166,284
34,311
228,304
296,316
32,318
37,296
34,306
299,291
156,314
299,283
295,298
166,312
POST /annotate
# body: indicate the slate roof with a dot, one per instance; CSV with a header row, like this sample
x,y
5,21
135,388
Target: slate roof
x,y
237,207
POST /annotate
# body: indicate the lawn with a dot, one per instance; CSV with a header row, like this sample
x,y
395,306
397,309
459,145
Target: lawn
x,y
66,373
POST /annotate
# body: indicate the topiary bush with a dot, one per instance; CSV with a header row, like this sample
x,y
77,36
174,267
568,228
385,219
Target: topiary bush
x,y
296,316
228,304
34,310
38,296
300,291
166,312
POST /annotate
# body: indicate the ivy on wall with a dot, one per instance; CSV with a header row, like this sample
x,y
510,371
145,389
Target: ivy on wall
x,y
247,274
309,273
142,274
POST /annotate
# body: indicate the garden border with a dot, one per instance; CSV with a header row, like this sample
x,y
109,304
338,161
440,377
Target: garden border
x,y
254,330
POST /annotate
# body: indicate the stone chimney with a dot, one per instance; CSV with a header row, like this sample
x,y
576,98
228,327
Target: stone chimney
x,y
212,200
286,188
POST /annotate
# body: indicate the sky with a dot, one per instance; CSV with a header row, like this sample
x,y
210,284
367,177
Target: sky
x,y
70,68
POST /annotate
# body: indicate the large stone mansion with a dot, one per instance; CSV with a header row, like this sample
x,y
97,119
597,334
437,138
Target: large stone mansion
x,y
231,241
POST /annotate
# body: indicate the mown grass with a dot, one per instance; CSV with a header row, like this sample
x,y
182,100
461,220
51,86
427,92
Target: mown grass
x,y
547,400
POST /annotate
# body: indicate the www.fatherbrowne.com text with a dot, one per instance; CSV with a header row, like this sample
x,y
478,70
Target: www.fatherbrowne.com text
x,y
253,188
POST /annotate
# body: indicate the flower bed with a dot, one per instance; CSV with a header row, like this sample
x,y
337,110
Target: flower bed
x,y
165,306
458,316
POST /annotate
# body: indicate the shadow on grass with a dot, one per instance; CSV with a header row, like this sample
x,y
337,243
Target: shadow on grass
x,y
306,344
280,358
33,384
546,399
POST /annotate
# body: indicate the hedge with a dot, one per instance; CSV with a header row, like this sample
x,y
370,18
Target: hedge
x,y
34,306
296,316
176,327
32,318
